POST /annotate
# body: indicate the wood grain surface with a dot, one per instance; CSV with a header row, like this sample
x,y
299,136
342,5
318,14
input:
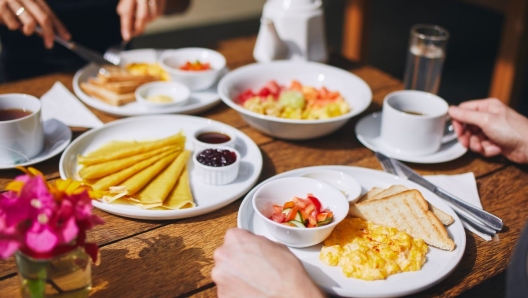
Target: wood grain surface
x,y
174,258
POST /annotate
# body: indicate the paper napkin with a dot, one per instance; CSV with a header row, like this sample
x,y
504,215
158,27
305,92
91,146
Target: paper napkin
x,y
463,186
59,103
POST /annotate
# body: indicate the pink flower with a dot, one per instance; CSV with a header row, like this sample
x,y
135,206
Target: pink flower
x,y
40,219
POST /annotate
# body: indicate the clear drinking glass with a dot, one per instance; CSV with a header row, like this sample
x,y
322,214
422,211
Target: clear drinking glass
x,y
425,58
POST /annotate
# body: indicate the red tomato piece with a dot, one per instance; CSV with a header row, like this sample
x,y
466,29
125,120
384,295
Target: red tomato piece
x,y
304,215
277,209
309,209
264,92
296,85
242,97
315,201
312,220
273,88
321,216
278,217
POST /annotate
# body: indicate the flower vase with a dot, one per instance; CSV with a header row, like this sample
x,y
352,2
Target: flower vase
x,y
65,275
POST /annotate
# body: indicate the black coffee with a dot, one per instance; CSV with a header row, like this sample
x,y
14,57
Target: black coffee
x,y
12,114
413,113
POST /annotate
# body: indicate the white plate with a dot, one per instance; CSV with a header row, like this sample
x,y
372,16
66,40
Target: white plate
x,y
56,137
439,263
368,133
207,197
199,100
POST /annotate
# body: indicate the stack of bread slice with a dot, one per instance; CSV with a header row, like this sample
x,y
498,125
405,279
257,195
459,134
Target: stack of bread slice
x,y
115,85
408,211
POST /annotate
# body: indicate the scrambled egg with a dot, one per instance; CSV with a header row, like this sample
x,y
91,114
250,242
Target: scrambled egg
x,y
370,252
148,68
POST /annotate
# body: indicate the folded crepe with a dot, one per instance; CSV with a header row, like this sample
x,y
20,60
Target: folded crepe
x,y
113,166
159,188
117,178
180,197
119,149
135,183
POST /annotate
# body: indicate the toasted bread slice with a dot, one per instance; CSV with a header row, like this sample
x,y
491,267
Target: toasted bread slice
x,y
107,96
117,87
371,193
445,218
117,74
406,211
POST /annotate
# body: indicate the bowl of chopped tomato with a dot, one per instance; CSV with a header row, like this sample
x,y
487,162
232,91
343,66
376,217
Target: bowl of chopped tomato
x,y
294,100
299,211
197,68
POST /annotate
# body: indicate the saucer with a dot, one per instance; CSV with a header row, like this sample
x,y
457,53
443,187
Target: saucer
x,y
368,133
57,136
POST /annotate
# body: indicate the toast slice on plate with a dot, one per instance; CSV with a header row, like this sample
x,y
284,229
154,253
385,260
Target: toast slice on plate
x,y
406,211
110,97
117,87
378,193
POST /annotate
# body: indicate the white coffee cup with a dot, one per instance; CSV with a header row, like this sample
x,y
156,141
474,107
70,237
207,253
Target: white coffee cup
x,y
413,122
22,138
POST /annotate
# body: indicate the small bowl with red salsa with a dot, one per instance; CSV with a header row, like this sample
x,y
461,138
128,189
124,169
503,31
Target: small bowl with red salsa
x,y
299,211
217,166
197,68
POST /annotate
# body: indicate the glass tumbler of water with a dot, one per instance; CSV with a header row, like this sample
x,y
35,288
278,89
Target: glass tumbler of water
x,y
425,58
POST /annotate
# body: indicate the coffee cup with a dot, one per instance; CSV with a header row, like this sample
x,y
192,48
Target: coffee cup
x,y
413,122
21,129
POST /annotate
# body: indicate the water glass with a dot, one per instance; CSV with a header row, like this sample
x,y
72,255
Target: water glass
x,y
425,58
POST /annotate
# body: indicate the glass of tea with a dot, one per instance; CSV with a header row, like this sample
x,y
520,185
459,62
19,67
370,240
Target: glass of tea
x,y
425,58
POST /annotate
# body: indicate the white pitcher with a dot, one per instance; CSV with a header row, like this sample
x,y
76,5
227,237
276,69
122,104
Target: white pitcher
x,y
291,29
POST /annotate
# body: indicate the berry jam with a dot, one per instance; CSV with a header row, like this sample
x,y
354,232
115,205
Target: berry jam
x,y
216,157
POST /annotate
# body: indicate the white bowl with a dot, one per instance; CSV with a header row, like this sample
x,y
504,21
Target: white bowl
x,y
172,60
279,191
214,128
217,175
343,182
178,92
254,76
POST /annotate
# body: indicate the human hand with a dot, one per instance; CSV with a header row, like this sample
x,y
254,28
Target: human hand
x,y
489,127
27,14
247,265
136,14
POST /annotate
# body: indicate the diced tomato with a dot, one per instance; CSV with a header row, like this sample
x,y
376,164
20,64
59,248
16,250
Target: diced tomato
x,y
242,97
311,219
278,217
296,85
264,92
288,204
304,215
277,209
301,204
315,201
273,88
323,93
292,214
333,95
309,209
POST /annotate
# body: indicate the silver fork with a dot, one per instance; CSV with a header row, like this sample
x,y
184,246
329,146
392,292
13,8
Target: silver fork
x,y
113,54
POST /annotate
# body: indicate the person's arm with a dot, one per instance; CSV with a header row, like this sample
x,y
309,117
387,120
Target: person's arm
x,y
489,127
247,265
136,14
26,15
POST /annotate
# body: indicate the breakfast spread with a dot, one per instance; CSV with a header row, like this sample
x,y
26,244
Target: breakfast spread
x,y
294,102
116,86
368,251
149,174
302,213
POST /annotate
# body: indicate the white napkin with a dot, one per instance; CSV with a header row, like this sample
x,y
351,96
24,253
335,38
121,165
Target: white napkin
x,y
464,187
61,104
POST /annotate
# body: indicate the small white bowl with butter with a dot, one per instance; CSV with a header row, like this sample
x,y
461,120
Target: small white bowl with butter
x,y
162,94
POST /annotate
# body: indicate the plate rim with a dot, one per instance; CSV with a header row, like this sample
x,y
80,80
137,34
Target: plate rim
x,y
170,214
38,158
339,291
426,159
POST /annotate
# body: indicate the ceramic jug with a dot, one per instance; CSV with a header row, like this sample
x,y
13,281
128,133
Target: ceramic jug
x,y
291,29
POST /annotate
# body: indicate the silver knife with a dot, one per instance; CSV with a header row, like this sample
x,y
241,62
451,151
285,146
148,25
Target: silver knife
x,y
85,53
485,217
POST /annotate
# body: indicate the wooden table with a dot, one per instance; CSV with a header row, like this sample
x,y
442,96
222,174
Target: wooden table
x,y
174,258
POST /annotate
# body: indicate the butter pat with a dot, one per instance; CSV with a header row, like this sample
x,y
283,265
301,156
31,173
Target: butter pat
x,y
160,98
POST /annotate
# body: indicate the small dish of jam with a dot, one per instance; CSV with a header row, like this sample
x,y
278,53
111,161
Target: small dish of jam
x,y
217,166
214,135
